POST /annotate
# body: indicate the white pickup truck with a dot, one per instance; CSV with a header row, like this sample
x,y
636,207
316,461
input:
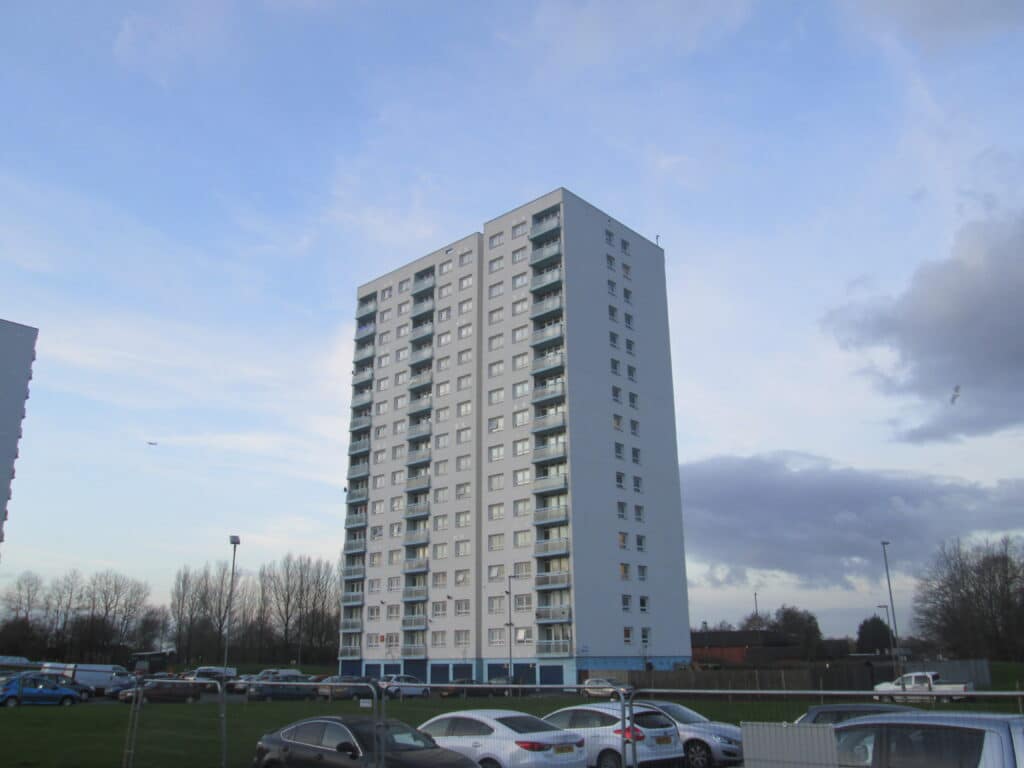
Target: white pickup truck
x,y
908,687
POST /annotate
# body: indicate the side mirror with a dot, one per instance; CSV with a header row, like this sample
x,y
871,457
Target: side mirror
x,y
349,749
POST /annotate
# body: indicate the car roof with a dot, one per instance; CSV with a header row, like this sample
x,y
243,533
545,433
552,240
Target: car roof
x,y
858,706
611,708
935,718
492,714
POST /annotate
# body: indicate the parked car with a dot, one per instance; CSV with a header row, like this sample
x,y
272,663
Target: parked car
x,y
455,691
932,740
100,676
403,685
345,687
162,691
705,742
503,738
604,688
600,725
85,692
349,743
839,713
908,687
113,690
27,688
286,687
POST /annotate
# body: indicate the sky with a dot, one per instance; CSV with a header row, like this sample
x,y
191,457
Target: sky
x,y
190,193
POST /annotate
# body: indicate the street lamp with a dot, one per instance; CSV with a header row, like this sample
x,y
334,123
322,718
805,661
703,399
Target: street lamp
x,y
888,626
234,541
892,605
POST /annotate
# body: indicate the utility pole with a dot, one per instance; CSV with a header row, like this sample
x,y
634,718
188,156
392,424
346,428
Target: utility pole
x,y
510,631
892,604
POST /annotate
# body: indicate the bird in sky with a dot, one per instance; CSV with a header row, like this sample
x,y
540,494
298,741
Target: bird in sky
x,y
955,395
151,442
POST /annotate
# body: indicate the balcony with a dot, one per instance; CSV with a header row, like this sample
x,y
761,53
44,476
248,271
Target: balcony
x,y
551,547
549,306
351,652
361,398
362,376
357,520
412,623
421,355
351,625
548,363
356,495
363,353
359,446
415,565
366,307
355,546
420,404
414,594
353,572
363,331
551,515
359,422
548,335
352,598
548,423
545,225
426,378
424,283
416,511
553,647
546,254
550,483
414,651
547,279
547,392
419,456
550,452
553,614
362,469
420,429
416,538
424,331
417,483
552,580
420,308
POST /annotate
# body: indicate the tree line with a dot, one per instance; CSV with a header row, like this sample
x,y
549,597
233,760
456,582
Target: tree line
x,y
283,612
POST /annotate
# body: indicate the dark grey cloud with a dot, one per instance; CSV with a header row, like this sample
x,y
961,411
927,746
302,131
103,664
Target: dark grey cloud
x,y
959,322
823,523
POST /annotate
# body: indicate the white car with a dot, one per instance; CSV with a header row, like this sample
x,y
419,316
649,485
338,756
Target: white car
x,y
403,685
604,688
706,743
503,738
600,725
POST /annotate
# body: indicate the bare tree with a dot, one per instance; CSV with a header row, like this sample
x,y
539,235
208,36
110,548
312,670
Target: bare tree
x,y
284,583
25,597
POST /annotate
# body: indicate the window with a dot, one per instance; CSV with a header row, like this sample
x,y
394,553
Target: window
x,y
372,640
462,635
394,584
440,522
378,481
376,558
382,384
496,512
380,431
440,468
494,290
461,580
445,338
519,281
398,502
622,510
617,394
634,427
445,268
496,396
495,316
521,477
495,572
384,337
627,602
638,484
631,372
521,361
495,240
495,542
403,308
613,314
522,538
619,450
641,543
627,319
379,457
624,245
437,638
524,635
627,635
520,389
438,609
521,508
465,331
441,441
462,548
520,306
445,314
463,409
462,519
626,269
381,407
636,455
440,551
522,333
465,258
521,447
634,400
620,479
496,424
403,285
401,376
627,295
464,382
496,604
611,287
624,571
518,230
641,572
462,491
523,603
383,361
495,342
463,463
466,281
623,540
645,637
465,306
496,453
440,495
394,611
444,291
463,435
520,418
395,529
496,264
519,254
439,579
615,366
376,532
496,636
394,556
613,339
630,347
442,414
465,356
443,388
522,570
373,613
609,238
617,421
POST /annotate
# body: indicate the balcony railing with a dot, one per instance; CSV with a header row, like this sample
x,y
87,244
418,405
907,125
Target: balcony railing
x,y
545,225
548,391
418,483
553,647
549,452
422,307
363,376
544,279
363,352
362,469
357,520
422,283
548,422
355,545
359,422
418,430
366,307
546,334
418,456
414,622
360,399
552,613
351,625
357,494
546,362
365,330
553,580
546,252
551,515
413,651
359,446
352,598
541,308
416,538
551,547
354,571
415,565
421,354
550,483
427,377
417,510
421,332
351,652
422,403
411,594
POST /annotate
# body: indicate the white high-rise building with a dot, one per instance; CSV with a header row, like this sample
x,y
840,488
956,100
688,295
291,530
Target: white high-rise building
x,y
513,480
17,353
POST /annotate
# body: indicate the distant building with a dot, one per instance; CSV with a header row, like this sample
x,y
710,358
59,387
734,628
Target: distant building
x,y
738,647
17,353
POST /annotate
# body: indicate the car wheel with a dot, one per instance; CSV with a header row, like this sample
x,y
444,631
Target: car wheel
x,y
66,701
698,755
488,763
11,702
609,759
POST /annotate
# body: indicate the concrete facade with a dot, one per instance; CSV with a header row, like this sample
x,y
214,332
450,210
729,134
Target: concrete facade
x,y
17,353
513,478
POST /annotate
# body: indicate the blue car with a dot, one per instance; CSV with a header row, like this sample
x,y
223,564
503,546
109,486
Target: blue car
x,y
28,688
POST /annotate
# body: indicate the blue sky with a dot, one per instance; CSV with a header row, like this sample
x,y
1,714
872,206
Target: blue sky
x,y
190,193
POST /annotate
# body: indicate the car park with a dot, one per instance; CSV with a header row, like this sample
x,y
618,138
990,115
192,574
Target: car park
x,y
162,691
839,713
501,738
85,692
705,742
396,686
923,687
102,677
240,684
345,687
28,689
286,687
604,688
600,724
352,742
932,740
462,688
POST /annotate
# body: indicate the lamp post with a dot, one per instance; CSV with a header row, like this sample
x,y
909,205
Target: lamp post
x,y
510,630
892,605
892,652
234,541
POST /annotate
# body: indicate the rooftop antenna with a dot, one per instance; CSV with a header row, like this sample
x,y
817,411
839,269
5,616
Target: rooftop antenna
x,y
657,239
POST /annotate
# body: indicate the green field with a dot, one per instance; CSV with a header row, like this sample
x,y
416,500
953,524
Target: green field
x,y
175,735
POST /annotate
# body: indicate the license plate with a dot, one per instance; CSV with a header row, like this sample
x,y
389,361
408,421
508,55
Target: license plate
x,y
663,740
561,749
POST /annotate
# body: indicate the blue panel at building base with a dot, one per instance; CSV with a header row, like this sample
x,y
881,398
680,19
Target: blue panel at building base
x,y
417,668
373,670
439,673
496,670
525,674
351,667
462,671
392,669
636,663
551,674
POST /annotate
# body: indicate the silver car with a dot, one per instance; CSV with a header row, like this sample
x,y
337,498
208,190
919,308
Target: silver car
x,y
706,743
600,725
503,738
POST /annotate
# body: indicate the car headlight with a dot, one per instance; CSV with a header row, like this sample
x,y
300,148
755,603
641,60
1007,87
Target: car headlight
x,y
725,740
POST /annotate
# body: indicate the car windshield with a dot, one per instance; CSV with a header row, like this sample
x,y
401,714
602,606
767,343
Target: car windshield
x,y
400,737
526,724
681,714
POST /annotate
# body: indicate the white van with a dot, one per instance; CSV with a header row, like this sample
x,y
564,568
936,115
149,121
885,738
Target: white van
x,y
99,676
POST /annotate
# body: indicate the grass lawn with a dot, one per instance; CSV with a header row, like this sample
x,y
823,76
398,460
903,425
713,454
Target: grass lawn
x,y
176,735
